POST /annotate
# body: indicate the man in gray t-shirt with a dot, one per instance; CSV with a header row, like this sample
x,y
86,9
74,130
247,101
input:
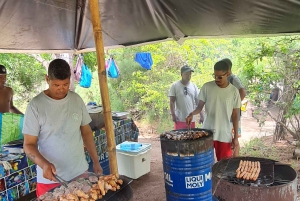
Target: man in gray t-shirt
x,y
56,129
235,81
183,98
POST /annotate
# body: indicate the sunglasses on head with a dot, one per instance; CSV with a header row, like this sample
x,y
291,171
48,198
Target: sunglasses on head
x,y
219,76
185,91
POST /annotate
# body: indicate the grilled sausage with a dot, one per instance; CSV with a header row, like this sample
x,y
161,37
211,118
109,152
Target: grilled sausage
x,y
242,174
241,163
256,174
238,174
253,174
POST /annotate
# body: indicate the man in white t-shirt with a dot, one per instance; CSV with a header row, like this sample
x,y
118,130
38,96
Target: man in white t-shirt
x,y
183,99
222,102
235,81
56,128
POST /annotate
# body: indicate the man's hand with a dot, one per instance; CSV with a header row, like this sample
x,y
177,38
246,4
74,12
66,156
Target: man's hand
x,y
235,147
175,118
49,171
189,119
201,120
97,168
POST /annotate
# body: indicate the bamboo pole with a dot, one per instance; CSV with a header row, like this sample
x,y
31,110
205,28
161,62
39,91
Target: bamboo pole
x,y
110,136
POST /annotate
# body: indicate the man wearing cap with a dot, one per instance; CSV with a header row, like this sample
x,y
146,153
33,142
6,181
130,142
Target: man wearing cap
x,y
6,95
183,98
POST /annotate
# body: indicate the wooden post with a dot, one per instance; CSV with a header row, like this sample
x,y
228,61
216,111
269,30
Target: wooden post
x,y
110,136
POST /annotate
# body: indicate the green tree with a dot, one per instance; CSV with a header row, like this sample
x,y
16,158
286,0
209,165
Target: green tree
x,y
25,76
274,62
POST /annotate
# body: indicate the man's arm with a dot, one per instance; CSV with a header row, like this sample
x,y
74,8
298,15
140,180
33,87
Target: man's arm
x,y
172,108
242,92
196,111
12,108
235,122
32,152
201,120
198,108
238,84
88,140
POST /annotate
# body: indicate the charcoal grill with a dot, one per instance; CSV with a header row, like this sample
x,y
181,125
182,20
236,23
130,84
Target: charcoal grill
x,y
275,182
265,178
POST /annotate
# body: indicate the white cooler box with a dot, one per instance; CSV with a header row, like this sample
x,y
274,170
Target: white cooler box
x,y
134,163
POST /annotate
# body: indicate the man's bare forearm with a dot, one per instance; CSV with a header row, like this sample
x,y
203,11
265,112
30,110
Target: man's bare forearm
x,y
89,143
235,122
172,108
242,93
34,155
198,108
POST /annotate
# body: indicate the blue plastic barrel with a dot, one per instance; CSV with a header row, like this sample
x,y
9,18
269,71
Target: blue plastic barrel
x,y
187,168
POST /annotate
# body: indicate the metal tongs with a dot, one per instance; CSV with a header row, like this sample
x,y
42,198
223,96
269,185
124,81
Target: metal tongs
x,y
189,129
61,181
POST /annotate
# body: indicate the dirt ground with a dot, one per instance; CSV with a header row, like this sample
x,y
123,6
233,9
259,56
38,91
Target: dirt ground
x,y
150,187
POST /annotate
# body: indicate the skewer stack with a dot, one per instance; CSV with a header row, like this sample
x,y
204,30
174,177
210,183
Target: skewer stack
x,y
184,135
248,170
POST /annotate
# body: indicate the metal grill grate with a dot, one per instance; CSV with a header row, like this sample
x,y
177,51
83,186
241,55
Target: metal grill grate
x,y
265,178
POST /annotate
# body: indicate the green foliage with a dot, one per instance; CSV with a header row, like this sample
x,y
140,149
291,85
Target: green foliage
x,y
269,63
90,60
25,76
92,94
256,148
146,91
295,108
260,63
162,124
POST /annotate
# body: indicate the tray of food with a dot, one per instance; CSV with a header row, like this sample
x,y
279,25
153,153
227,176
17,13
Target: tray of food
x,y
86,187
186,134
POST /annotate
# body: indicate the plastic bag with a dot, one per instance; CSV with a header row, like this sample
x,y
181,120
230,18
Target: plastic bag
x,y
86,77
78,67
112,68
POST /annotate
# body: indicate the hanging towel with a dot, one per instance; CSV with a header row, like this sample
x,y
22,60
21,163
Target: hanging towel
x,y
112,68
78,67
144,59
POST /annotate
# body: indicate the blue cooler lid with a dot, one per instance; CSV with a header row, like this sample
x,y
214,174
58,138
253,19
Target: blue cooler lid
x,y
142,147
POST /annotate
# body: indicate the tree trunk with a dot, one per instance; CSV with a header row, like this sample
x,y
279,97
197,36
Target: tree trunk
x,y
280,131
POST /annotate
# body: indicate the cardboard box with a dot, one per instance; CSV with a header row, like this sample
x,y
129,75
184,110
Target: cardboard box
x,y
135,163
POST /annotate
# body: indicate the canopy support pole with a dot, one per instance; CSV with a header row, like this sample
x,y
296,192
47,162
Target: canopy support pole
x,y
110,136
